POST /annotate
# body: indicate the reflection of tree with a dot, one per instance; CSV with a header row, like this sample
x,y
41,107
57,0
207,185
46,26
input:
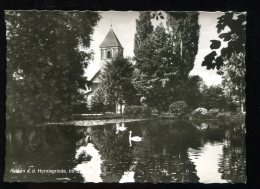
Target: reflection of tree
x,y
157,158
213,135
233,162
162,155
114,151
39,148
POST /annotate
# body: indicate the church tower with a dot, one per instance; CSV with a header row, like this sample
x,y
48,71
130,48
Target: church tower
x,y
110,48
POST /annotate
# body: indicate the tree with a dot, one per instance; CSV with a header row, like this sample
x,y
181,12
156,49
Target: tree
x,y
231,61
235,37
116,83
192,91
213,97
144,28
44,63
233,75
163,61
156,66
184,31
98,101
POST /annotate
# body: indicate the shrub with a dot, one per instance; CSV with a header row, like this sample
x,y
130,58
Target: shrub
x,y
138,111
238,118
212,112
80,108
146,111
178,108
224,117
232,107
133,111
200,112
231,119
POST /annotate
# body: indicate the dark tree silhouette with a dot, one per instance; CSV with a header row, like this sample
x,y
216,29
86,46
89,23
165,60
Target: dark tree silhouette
x,y
165,57
235,38
44,63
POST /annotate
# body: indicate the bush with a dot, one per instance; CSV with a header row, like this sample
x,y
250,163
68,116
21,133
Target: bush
x,y
178,108
80,108
200,112
224,117
228,118
133,111
146,111
138,111
232,107
212,113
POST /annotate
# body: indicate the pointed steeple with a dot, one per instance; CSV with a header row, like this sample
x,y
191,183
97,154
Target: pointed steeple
x,y
111,40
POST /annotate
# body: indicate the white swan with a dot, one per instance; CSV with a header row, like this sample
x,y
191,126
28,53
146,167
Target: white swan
x,y
134,138
120,128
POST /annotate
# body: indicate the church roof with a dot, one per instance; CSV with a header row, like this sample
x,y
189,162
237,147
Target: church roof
x,y
111,40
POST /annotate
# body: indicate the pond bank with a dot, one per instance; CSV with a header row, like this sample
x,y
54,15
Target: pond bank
x,y
100,116
93,122
103,119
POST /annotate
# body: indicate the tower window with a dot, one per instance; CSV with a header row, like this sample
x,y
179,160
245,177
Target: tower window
x,y
102,54
108,54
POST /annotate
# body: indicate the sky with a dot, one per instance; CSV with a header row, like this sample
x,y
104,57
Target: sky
x,y
124,26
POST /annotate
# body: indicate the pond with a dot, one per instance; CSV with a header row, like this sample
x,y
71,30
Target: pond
x,y
169,151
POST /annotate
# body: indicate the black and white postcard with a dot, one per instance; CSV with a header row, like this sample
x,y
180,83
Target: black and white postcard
x,y
125,96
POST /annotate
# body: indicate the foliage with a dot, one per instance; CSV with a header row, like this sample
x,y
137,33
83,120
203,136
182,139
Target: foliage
x,y
228,119
184,31
157,14
178,108
138,111
154,65
213,97
233,75
235,38
200,112
212,113
80,108
231,61
232,107
116,82
162,59
98,101
144,28
146,111
44,65
224,116
191,91
133,111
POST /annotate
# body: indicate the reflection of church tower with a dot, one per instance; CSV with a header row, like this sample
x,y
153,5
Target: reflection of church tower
x,y
110,48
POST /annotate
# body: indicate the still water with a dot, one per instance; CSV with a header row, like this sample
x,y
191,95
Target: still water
x,y
166,151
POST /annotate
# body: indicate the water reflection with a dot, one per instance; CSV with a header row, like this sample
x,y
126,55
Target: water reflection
x,y
206,160
170,151
90,165
120,127
129,175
